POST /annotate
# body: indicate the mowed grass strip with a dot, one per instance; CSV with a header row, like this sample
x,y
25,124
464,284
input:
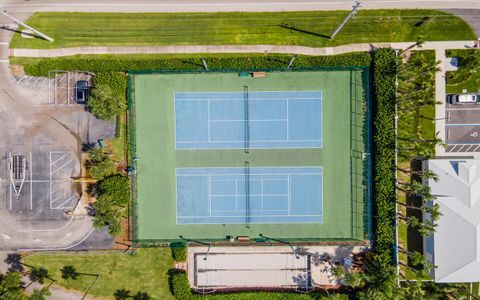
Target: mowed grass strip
x,y
311,28
146,271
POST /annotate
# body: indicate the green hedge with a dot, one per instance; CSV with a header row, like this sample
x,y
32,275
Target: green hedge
x,y
384,66
181,290
179,251
122,63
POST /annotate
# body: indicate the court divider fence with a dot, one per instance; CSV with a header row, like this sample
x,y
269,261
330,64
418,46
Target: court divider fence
x,y
361,220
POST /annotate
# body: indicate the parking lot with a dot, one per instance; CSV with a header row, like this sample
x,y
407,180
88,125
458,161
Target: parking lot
x,y
46,191
462,128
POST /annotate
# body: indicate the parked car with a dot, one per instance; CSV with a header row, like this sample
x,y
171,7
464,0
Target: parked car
x,y
81,91
459,99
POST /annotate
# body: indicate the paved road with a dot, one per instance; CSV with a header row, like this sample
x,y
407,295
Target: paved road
x,y
224,5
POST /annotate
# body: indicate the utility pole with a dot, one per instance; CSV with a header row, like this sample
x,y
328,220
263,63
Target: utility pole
x,y
356,6
291,61
4,12
204,61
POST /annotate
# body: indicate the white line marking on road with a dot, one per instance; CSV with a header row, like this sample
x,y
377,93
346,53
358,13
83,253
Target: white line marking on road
x,y
31,182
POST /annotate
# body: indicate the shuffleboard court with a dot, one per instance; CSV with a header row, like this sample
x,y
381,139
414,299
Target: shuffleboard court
x,y
249,195
230,120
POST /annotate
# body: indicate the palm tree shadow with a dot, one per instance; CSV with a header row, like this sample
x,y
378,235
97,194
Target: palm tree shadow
x,y
33,35
289,27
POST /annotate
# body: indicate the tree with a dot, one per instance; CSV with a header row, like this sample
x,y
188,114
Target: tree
x,y
102,169
107,214
116,188
11,286
38,274
69,272
103,104
122,294
40,294
141,296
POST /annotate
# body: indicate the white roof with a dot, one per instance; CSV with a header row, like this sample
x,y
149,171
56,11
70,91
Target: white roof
x,y
456,239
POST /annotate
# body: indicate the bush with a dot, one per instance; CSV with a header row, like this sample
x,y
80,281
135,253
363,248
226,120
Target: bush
x,y
116,189
181,290
104,104
179,251
384,67
99,164
107,68
107,214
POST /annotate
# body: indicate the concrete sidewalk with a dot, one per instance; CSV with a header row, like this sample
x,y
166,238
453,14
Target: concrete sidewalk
x,y
182,49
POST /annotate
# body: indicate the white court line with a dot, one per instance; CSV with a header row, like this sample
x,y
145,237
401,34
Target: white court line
x,y
251,194
288,125
256,141
209,120
290,196
210,195
268,216
31,182
250,120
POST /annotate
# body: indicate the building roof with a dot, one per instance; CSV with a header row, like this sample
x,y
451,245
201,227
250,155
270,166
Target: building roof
x,y
456,239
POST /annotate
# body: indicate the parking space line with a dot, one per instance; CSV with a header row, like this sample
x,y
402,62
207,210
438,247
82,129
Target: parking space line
x,y
67,153
62,166
62,206
31,183
463,124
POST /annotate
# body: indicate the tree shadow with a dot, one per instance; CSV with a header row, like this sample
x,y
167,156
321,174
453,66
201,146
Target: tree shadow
x,y
414,238
290,27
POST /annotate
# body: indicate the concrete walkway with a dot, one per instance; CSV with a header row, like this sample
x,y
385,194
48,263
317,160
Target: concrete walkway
x,y
232,49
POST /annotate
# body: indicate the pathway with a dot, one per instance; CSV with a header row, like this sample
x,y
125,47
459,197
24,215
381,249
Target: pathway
x,y
177,49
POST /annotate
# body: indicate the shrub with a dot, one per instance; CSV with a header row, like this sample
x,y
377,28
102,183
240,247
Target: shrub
x,y
99,164
179,251
107,68
115,188
104,104
107,214
384,67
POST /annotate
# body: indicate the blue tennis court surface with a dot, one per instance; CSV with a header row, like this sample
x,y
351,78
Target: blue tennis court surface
x,y
226,120
249,195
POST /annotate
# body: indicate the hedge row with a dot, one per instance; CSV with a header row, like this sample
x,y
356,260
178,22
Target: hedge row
x,y
40,67
179,251
181,290
384,149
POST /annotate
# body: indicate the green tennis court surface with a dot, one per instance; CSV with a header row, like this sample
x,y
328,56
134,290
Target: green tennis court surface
x,y
218,154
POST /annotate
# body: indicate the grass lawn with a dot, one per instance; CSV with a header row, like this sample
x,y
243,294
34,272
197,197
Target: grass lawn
x,y
279,28
146,271
475,289
118,144
472,85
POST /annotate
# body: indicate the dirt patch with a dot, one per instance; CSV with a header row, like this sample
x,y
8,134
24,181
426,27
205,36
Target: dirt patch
x,y
17,70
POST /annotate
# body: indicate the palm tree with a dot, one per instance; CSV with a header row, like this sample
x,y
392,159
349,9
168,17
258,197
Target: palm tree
x,y
38,274
69,272
40,294
122,294
141,296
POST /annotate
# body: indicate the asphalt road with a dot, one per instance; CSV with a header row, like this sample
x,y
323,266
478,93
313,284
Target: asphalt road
x,y
224,5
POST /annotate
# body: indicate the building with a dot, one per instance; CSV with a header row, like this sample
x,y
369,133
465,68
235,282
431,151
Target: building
x,y
454,248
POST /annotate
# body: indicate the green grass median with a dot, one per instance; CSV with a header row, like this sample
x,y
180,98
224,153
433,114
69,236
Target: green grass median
x,y
311,28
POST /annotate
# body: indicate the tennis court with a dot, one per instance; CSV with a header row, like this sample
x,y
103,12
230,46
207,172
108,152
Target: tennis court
x,y
281,119
249,195
219,155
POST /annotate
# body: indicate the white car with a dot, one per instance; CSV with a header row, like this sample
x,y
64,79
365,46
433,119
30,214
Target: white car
x,y
464,99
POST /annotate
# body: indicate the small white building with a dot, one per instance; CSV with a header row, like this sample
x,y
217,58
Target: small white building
x,y
454,248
